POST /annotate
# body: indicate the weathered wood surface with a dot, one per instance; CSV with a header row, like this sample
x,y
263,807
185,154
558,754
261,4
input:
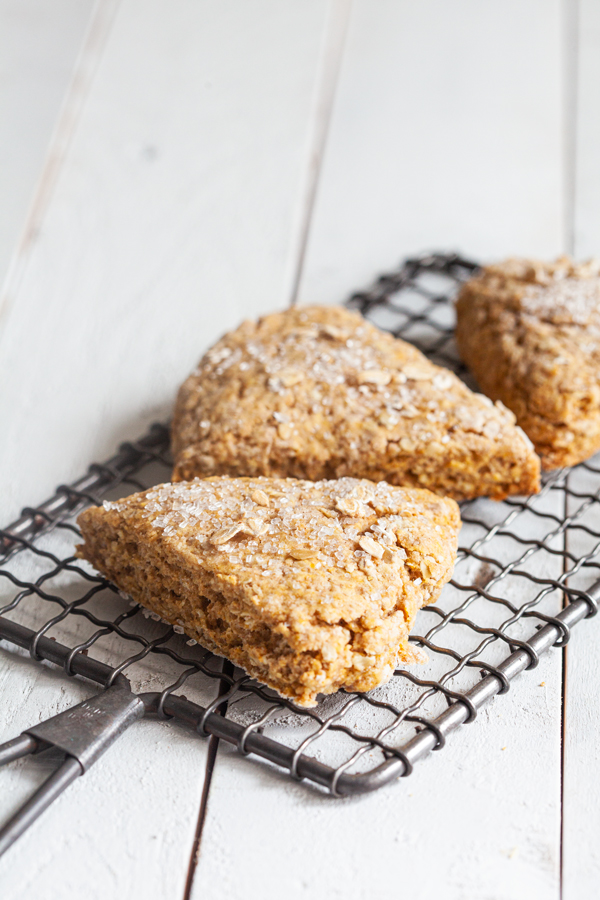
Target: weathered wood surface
x,y
39,43
170,208
581,806
215,160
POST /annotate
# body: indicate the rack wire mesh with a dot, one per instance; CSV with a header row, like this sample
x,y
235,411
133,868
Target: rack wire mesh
x,y
526,572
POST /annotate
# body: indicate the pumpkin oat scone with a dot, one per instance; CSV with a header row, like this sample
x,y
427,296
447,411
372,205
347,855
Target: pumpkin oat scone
x,y
310,587
319,392
530,333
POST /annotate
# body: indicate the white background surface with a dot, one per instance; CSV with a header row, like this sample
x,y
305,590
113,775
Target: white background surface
x,y
212,160
39,43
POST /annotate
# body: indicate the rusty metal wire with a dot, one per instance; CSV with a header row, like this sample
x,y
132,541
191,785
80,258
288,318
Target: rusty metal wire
x,y
526,574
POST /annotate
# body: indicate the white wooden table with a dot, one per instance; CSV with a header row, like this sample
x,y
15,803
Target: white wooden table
x,y
213,160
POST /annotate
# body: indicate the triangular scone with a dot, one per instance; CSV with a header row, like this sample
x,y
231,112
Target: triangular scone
x,y
530,333
310,587
318,392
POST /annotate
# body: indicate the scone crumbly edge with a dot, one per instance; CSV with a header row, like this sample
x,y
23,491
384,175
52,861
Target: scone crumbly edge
x,y
530,333
319,392
309,587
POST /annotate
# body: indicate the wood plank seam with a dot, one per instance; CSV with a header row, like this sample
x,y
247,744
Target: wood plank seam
x,y
84,70
571,23
308,223
211,759
213,746
563,700
264,794
327,82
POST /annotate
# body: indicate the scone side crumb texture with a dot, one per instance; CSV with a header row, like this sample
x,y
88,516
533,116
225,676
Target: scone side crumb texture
x,y
319,392
530,333
310,587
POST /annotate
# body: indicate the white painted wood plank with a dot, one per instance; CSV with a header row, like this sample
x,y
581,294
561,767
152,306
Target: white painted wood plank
x,y
446,134
581,859
39,43
587,137
170,209
581,804
350,842
477,819
176,214
125,829
482,815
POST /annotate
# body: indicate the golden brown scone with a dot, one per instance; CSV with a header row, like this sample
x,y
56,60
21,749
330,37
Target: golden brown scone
x,y
318,392
530,333
310,587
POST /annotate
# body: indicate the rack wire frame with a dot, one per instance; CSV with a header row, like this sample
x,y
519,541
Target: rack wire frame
x,y
528,570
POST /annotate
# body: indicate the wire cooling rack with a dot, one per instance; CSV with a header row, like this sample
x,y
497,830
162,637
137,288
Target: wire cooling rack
x,y
526,573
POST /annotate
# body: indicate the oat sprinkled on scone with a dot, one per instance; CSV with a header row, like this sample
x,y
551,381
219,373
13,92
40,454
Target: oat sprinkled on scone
x,y
318,392
310,587
530,333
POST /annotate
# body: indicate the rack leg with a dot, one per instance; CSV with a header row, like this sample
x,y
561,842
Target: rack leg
x,y
18,747
43,797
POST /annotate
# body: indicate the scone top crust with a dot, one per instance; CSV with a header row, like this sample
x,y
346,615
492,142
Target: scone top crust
x,y
249,532
562,292
530,332
318,392
308,586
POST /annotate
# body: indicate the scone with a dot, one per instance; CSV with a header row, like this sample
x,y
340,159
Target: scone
x,y
318,392
530,333
310,587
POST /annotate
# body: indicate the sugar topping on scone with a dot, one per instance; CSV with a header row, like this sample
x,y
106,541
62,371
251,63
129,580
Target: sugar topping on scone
x,y
319,392
308,586
561,292
530,333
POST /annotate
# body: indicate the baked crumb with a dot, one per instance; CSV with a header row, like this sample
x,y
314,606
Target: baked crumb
x,y
530,333
255,570
319,392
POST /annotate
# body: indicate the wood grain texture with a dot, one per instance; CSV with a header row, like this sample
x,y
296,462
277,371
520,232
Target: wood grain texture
x,y
125,829
586,116
470,822
581,753
581,809
39,43
446,133
170,209
480,818
423,153
177,205
581,815
176,214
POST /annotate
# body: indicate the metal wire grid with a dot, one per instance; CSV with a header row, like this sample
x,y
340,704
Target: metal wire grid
x,y
523,575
